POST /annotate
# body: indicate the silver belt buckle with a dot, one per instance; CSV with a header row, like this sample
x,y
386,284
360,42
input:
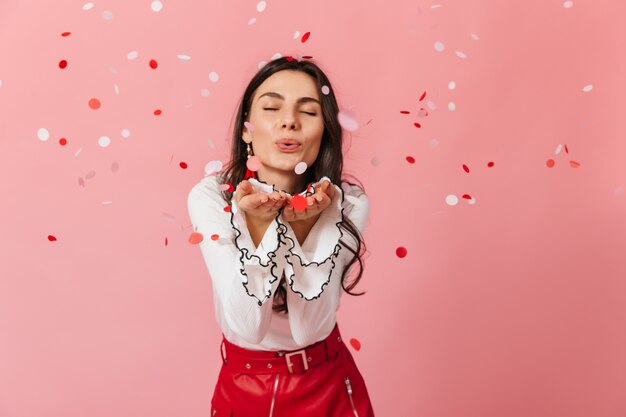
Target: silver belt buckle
x,y
290,365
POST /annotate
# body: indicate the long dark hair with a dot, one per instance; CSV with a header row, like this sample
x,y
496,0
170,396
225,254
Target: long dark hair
x,y
329,160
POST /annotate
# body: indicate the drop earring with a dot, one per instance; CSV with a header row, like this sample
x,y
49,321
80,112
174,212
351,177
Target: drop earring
x,y
249,173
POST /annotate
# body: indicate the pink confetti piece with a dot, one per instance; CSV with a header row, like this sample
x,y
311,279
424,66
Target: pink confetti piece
x,y
249,126
347,120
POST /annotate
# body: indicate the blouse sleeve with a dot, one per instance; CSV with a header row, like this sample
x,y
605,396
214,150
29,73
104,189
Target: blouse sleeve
x,y
310,267
243,276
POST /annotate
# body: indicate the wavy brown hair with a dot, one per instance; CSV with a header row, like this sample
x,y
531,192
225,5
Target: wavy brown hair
x,y
329,160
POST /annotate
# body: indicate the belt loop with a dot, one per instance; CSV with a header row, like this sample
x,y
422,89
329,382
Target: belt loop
x,y
222,350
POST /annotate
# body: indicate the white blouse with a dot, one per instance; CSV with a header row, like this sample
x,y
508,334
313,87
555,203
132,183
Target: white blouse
x,y
245,278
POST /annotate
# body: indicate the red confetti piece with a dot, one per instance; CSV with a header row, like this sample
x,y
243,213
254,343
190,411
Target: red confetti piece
x,y
215,236
153,64
52,238
305,37
289,58
574,164
490,164
417,125
410,159
299,203
227,209
231,188
566,151
401,252
550,163
423,95
165,241
66,33
94,103
307,57
465,168
405,112
467,196
355,344
183,165
62,141
368,122
195,238
157,112
62,64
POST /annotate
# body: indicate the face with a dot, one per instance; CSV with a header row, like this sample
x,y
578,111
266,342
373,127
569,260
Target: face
x,y
285,105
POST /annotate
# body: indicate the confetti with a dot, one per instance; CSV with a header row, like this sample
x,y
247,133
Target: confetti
x,y
157,112
301,168
466,168
405,112
422,96
104,141
305,37
184,57
43,134
62,141
94,103
66,33
62,64
410,159
347,120
417,125
460,54
156,6
401,252
490,164
132,55
452,200
451,85
87,6
252,21
166,241
52,238
568,4
260,6
299,203
355,344
249,126
574,164
439,47
183,165
125,133
153,64
325,90
253,163
588,88
212,166
296,35
451,106
107,15
215,236
195,238
550,163
213,76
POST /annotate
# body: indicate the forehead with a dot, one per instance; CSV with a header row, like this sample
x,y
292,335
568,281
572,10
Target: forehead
x,y
290,84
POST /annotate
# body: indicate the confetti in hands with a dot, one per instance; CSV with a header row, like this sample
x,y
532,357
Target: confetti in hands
x,y
257,204
303,208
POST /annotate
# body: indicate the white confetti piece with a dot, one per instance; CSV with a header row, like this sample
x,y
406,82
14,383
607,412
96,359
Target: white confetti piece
x,y
0,83
205,92
301,168
214,76
325,90
260,6
87,6
78,152
262,64
296,34
156,6
461,54
451,106
474,36
212,167
43,134
435,6
451,85
558,149
211,143
347,120
125,133
431,105
132,55
107,202
568,4
104,141
433,143
252,21
107,15
452,200
116,89
439,47
184,57
276,56
588,88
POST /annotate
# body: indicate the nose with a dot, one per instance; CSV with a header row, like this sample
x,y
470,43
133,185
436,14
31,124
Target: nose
x,y
289,120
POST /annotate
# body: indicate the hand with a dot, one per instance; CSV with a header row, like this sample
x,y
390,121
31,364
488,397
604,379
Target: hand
x,y
256,204
316,203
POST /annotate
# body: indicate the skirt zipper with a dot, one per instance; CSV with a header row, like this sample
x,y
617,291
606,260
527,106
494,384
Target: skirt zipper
x,y
274,394
349,387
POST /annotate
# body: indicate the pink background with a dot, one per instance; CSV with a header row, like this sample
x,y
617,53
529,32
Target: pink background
x,y
508,304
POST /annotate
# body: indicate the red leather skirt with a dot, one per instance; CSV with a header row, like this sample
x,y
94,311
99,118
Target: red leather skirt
x,y
321,379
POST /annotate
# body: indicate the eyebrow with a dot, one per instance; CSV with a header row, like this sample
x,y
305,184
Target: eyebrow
x,y
300,100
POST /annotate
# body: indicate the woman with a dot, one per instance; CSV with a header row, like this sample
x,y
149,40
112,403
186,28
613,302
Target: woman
x,y
280,249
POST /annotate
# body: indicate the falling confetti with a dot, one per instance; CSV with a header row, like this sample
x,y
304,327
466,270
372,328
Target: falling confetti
x,y
87,6
439,47
195,238
417,125
587,88
325,90
166,241
347,120
260,6
153,64
568,4
466,168
157,112
104,141
301,168
410,159
184,57
451,106
401,252
66,33
296,34
452,200
62,141
132,55
405,112
215,237
183,165
305,37
214,76
125,133
62,64
574,164
94,103
156,6
253,163
451,85
355,344
212,166
52,238
43,134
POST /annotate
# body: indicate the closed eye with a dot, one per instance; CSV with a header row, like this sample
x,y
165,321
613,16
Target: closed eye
x,y
309,113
